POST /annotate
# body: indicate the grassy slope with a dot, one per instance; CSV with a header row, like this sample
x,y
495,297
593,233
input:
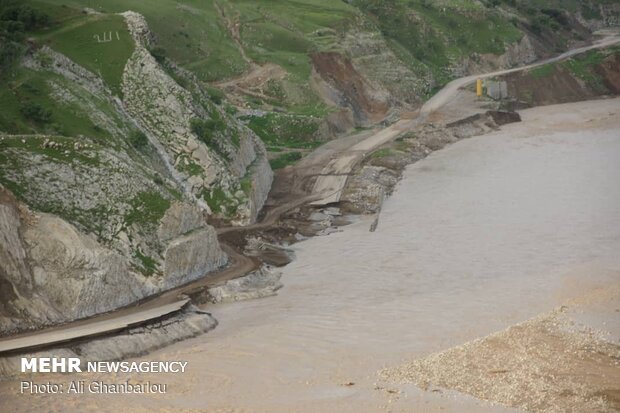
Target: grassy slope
x,y
27,87
428,36
71,33
281,31
581,66
435,34
191,33
77,40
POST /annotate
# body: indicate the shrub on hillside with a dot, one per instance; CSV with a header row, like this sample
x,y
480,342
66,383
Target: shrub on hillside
x,y
15,20
159,53
204,129
35,112
138,140
216,95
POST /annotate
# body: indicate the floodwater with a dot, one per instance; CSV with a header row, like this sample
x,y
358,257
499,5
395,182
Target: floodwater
x,y
481,235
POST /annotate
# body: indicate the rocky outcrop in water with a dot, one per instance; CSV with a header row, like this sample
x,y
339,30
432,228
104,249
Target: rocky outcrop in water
x,y
263,282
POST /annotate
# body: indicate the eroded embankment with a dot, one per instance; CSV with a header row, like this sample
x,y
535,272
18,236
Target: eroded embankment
x,y
374,179
583,77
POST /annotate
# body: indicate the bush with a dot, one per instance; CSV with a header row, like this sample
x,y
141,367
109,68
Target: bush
x,y
15,20
231,110
204,129
216,95
35,112
159,53
149,265
138,140
9,52
30,18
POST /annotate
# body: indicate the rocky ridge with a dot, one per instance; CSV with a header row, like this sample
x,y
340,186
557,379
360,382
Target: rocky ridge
x,y
166,111
99,224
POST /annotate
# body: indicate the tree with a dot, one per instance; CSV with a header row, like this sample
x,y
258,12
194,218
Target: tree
x,y
35,112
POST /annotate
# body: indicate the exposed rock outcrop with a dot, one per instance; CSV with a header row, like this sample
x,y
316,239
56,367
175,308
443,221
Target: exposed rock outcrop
x,y
54,273
263,282
208,166
17,296
77,275
178,220
189,257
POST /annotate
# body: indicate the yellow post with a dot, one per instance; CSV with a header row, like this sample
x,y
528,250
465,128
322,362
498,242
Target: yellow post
x,y
479,87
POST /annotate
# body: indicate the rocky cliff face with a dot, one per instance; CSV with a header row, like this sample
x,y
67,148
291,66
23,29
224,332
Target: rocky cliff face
x,y
54,273
208,165
89,224
16,279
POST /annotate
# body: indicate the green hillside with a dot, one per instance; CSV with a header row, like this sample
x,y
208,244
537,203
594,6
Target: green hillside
x,y
100,43
221,41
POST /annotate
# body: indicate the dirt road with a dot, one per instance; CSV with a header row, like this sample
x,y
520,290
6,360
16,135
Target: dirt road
x,y
334,176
